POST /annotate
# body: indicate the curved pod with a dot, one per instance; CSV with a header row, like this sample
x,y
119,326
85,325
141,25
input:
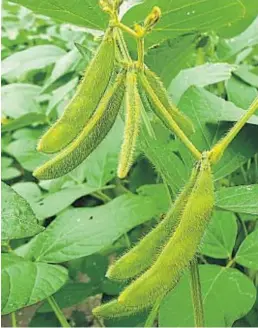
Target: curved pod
x,y
92,134
144,254
83,104
181,248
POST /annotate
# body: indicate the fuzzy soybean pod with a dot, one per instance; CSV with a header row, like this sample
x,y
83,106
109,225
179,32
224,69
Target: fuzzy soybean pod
x,y
132,123
180,249
158,88
92,134
112,309
88,95
144,254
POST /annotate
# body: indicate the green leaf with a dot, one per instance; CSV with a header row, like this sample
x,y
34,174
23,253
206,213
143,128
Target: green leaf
x,y
185,16
22,62
161,154
19,99
70,294
25,283
62,94
7,171
207,113
247,254
171,56
229,47
200,76
23,121
28,190
64,64
83,12
244,73
240,93
227,296
220,237
24,150
56,202
18,219
240,199
83,231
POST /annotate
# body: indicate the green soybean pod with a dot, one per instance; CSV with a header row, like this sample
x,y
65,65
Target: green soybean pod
x,y
88,95
132,123
144,254
181,248
93,133
112,309
157,86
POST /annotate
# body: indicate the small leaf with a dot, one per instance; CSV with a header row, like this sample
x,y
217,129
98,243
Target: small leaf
x,y
227,296
25,283
55,202
244,73
83,231
19,99
247,254
24,150
240,93
220,237
23,121
240,199
248,38
18,219
22,62
200,76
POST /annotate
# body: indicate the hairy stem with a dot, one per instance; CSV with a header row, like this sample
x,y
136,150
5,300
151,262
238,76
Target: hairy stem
x,y
196,294
59,314
140,47
218,150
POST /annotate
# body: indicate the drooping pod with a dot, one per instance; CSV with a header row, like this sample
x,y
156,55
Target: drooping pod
x,y
180,249
85,101
132,123
158,88
92,134
144,254
112,309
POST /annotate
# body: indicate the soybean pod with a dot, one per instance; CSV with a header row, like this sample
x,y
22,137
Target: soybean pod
x,y
158,88
112,309
144,254
92,134
132,122
180,249
85,101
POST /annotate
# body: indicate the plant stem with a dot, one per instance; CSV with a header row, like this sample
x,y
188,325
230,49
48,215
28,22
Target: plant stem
x,y
100,195
127,29
196,294
218,150
14,321
170,122
125,52
59,314
153,314
140,47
